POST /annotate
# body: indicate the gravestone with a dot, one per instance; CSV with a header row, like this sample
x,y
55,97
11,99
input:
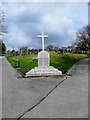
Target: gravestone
x,y
43,68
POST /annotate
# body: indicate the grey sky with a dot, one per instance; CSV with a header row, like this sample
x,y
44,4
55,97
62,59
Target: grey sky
x,y
59,20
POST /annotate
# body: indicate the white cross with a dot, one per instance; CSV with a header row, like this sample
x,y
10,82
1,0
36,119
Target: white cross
x,y
42,36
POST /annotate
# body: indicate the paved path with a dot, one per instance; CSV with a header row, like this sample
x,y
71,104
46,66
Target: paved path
x,y
45,97
69,99
0,87
21,94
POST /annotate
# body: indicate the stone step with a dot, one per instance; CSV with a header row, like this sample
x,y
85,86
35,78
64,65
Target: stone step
x,y
37,71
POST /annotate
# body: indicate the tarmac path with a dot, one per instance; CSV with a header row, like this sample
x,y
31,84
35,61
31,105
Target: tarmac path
x,y
0,87
21,94
69,99
45,97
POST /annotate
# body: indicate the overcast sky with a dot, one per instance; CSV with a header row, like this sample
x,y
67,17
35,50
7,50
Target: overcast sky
x,y
60,21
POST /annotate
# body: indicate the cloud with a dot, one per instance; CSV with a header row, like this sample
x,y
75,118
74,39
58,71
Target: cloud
x,y
60,21
44,0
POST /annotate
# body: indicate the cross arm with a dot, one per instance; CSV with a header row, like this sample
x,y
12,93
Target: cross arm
x,y
45,35
39,36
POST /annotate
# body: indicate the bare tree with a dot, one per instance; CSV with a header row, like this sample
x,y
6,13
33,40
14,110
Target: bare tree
x,y
83,39
50,48
24,50
3,27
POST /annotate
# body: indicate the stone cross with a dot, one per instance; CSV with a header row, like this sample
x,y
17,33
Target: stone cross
x,y
42,36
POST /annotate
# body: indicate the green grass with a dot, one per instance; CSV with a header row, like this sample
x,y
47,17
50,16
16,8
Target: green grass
x,y
65,60
25,61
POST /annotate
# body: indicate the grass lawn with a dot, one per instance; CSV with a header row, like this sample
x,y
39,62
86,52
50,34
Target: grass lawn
x,y
57,60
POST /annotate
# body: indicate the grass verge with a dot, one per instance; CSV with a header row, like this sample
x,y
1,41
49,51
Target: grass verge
x,y
57,60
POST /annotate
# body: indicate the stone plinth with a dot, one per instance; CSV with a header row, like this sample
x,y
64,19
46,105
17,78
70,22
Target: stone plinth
x,y
43,59
43,68
43,71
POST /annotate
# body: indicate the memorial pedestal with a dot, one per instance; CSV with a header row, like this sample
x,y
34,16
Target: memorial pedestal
x,y
43,68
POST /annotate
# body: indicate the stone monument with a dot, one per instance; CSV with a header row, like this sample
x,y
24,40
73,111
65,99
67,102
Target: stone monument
x,y
43,68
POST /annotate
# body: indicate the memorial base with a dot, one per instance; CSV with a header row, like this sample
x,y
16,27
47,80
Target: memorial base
x,y
43,71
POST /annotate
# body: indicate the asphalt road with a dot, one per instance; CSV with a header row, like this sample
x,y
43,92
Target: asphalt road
x,y
0,87
21,94
69,99
45,97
